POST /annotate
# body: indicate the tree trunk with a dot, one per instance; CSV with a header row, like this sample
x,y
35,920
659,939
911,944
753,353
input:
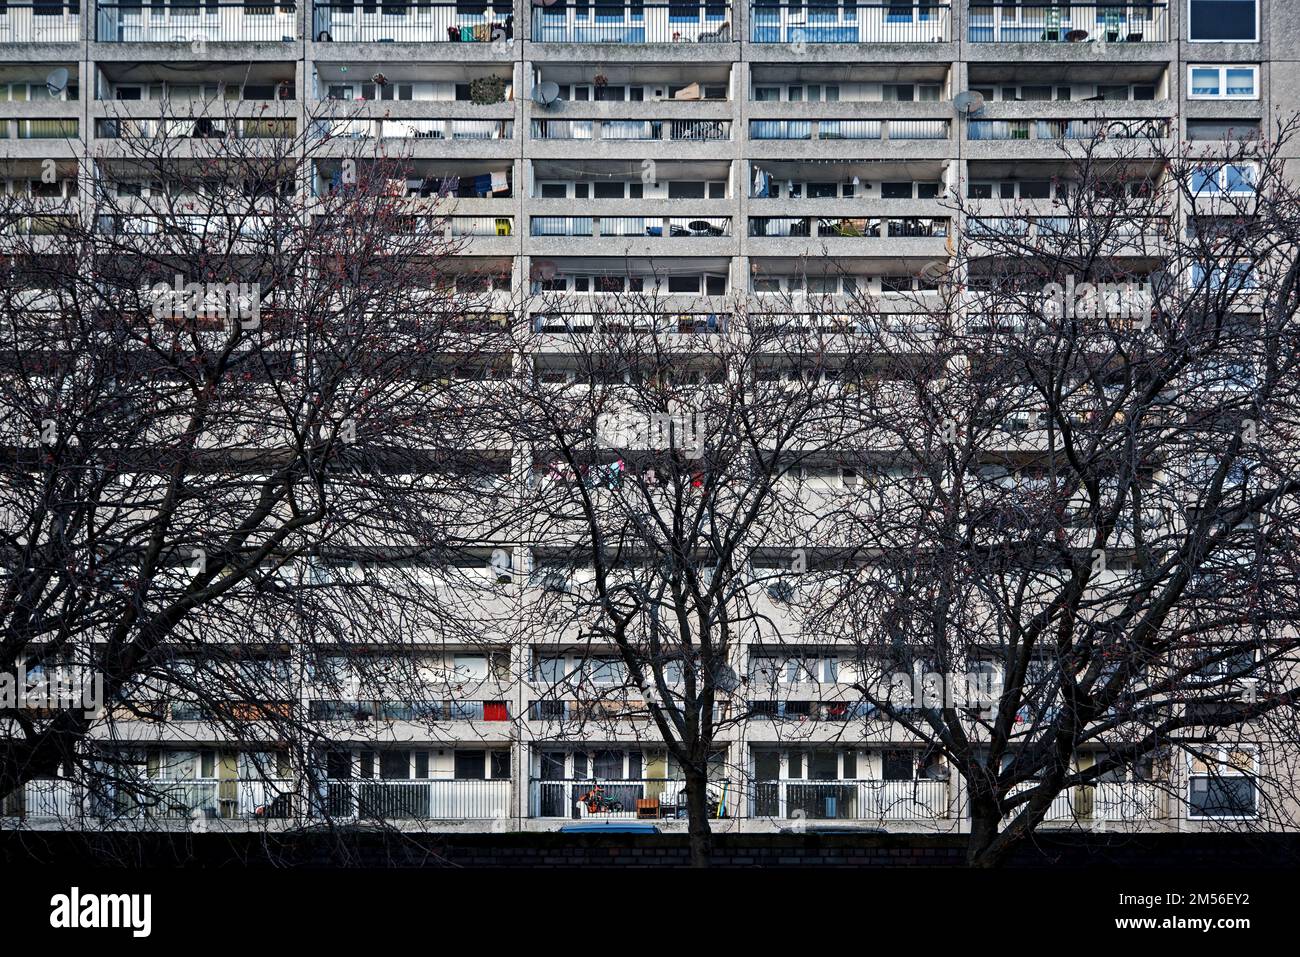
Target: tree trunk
x,y
697,813
984,820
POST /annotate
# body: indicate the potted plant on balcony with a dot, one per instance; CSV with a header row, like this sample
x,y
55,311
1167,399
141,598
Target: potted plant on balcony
x,y
486,90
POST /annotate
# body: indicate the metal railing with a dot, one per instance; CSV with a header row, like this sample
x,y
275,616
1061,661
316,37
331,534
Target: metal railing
x,y
1124,129
605,799
54,129
860,800
848,129
439,710
179,799
40,22
1067,22
419,129
632,22
412,22
622,226
848,227
202,128
570,323
392,800
780,21
196,22
633,130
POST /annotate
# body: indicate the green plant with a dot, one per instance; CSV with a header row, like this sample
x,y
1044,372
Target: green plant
x,y
487,89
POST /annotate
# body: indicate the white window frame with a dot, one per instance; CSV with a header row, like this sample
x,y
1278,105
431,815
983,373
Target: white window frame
x,y
1188,8
1222,69
1224,769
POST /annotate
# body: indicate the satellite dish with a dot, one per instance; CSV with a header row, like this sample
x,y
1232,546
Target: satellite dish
x,y
57,81
543,3
968,102
725,677
546,93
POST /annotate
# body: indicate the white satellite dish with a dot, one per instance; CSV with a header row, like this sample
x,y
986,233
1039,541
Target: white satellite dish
x,y
57,81
546,93
969,102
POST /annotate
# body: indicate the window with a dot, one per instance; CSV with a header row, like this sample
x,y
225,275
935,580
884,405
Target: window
x,y
1219,21
1236,82
470,765
1234,179
500,764
898,766
1222,784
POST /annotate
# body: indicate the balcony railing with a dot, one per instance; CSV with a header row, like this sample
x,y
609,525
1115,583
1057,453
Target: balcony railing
x,y
1116,129
572,323
619,226
412,22
693,22
633,130
828,227
51,22
1068,22
780,21
216,128
175,799
848,129
444,710
398,800
867,800
420,129
196,22
59,129
617,799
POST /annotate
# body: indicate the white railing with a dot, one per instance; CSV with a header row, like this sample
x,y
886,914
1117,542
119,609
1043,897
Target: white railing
x,y
420,129
864,800
1128,801
416,799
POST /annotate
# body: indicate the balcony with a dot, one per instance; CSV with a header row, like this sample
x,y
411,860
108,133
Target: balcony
x,y
692,131
202,128
156,798
773,21
861,800
578,323
633,23
848,129
664,227
414,22
846,227
43,129
1106,803
362,711
441,129
1068,22
601,799
1135,128
48,22
196,23
397,800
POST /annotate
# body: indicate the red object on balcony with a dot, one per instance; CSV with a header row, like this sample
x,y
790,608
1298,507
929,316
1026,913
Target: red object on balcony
x,y
495,711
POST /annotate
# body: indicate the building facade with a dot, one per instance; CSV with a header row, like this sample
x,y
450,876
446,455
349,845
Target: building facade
x,y
698,151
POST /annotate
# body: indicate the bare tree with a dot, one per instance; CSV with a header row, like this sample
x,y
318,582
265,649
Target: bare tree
x,y
1071,560
664,453
236,443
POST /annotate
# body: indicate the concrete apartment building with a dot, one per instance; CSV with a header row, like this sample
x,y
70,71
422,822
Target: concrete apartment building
x,y
707,147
